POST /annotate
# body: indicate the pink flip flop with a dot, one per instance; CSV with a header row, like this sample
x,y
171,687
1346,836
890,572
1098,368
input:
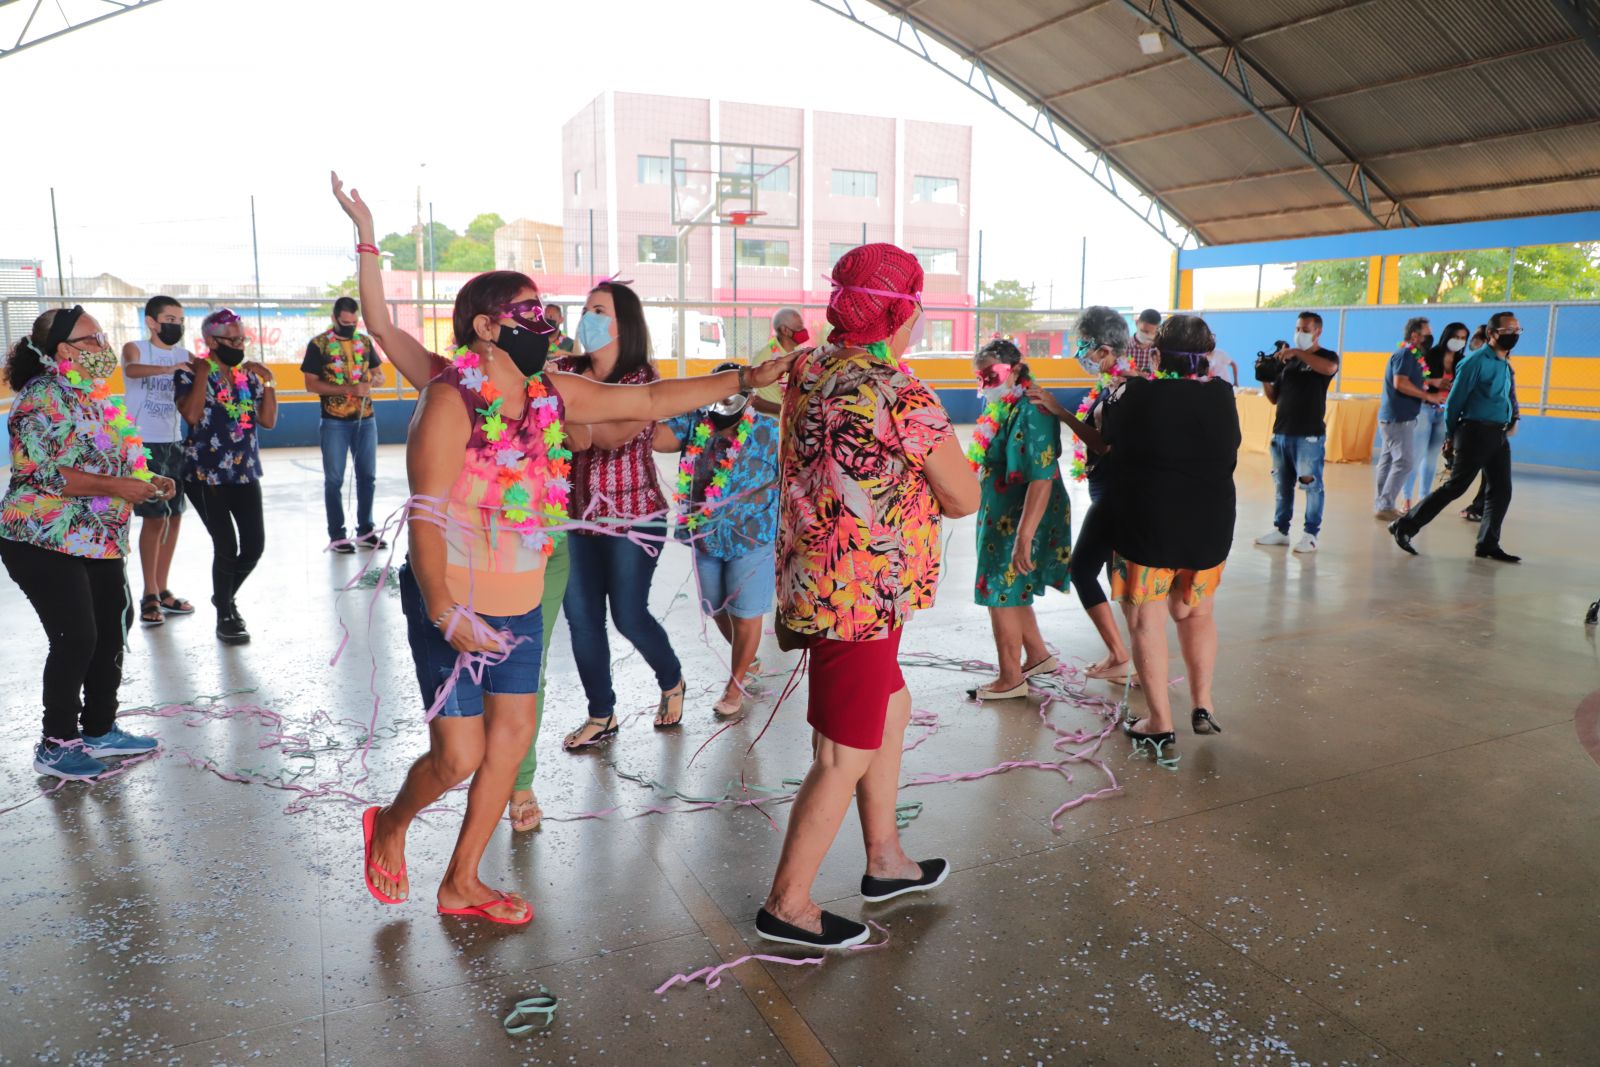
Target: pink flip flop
x,y
481,911
368,817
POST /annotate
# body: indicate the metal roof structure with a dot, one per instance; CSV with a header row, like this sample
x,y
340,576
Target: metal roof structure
x,y
59,19
1252,120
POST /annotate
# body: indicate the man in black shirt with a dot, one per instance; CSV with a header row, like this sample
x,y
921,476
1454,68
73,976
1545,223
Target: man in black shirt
x,y
1299,430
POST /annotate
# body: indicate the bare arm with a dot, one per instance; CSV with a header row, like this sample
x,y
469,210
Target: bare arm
x,y
134,491
615,434
132,368
1045,401
665,440
1320,364
1271,391
954,485
767,407
594,402
267,415
407,354
1033,505
1404,386
321,387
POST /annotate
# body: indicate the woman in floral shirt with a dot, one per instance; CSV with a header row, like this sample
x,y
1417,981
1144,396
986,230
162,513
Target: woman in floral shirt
x,y
222,472
77,467
868,464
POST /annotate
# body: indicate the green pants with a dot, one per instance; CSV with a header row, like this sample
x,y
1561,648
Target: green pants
x,y
556,569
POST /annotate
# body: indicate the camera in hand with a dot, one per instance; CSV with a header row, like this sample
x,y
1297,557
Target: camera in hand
x,y
1269,368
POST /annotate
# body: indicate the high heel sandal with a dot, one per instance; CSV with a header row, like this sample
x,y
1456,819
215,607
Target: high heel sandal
x,y
1201,722
1155,742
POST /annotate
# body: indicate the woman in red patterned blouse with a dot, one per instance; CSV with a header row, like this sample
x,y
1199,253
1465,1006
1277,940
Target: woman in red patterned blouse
x,y
614,482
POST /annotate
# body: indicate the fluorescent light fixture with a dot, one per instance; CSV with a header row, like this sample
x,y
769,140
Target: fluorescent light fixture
x,y
1151,42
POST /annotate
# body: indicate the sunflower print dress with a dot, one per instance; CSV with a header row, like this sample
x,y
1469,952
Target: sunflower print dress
x,y
1026,449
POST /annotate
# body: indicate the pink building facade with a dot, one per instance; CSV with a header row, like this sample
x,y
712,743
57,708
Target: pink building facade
x,y
857,178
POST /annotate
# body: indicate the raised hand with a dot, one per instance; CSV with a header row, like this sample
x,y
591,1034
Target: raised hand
x,y
353,206
773,369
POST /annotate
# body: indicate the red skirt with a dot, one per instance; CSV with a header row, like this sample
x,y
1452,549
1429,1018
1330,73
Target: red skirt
x,y
851,683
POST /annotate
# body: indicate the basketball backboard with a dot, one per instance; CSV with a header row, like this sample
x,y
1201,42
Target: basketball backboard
x,y
715,181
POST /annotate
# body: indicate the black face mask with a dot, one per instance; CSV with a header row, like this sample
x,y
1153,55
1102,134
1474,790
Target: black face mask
x,y
1506,341
722,422
170,333
346,332
1427,341
526,348
230,355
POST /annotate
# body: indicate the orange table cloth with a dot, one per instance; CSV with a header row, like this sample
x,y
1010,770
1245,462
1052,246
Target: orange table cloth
x,y
1352,424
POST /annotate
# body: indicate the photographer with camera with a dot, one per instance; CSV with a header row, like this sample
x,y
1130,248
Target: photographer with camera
x,y
1298,386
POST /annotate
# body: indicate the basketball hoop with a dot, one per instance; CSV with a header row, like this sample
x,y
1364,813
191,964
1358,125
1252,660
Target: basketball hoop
x,y
741,218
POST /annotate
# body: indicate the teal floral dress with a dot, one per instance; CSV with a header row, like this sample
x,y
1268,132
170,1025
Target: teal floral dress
x,y
1026,449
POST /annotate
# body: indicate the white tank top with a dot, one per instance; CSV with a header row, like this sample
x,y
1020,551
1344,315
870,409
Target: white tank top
x,y
150,402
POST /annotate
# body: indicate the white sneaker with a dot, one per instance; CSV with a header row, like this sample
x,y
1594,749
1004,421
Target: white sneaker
x,y
1307,543
1273,537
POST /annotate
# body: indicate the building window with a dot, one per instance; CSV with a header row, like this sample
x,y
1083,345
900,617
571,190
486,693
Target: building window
x,y
928,190
771,179
752,253
1038,347
658,249
939,336
855,183
836,251
654,170
936,260
577,183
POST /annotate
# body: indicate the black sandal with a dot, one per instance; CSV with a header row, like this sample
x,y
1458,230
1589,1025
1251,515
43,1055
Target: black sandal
x,y
150,611
678,691
1155,742
175,605
607,733
1202,722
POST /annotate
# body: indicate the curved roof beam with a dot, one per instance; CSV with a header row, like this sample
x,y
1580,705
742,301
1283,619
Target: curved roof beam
x,y
1046,123
23,41
1237,72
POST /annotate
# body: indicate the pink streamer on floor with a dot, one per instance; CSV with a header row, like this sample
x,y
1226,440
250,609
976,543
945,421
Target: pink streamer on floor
x,y
712,976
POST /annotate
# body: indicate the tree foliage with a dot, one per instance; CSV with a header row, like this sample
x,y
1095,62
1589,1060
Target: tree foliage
x,y
1005,293
1547,272
470,252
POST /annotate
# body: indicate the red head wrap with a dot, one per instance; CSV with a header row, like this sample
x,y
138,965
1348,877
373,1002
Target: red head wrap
x,y
876,289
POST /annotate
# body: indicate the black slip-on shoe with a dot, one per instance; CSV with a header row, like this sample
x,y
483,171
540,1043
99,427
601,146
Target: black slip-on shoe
x,y
231,630
1401,538
837,931
934,872
1496,553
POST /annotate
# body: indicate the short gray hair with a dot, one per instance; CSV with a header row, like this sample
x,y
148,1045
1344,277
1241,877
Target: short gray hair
x,y
1100,325
1415,323
787,316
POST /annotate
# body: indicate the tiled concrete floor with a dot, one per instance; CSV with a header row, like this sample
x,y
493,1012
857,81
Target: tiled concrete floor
x,y
1392,854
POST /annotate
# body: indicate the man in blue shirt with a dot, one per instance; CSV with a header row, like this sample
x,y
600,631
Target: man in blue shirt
x,y
1480,412
1403,397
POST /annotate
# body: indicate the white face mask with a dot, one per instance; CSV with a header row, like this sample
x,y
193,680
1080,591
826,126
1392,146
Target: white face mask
x,y
1147,336
1455,344
1302,339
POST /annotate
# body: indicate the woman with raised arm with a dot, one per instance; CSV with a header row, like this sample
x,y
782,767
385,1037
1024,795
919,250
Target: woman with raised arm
x,y
489,484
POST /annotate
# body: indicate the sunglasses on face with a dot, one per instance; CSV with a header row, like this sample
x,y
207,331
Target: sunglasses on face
x,y
529,314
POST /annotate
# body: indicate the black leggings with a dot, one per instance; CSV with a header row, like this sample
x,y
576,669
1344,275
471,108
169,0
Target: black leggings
x,y
232,514
85,609
1091,553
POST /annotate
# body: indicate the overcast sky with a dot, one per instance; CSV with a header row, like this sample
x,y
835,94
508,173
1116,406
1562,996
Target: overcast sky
x,y
156,127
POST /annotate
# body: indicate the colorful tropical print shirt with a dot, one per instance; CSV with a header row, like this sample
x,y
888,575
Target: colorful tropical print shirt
x,y
858,526
55,426
342,362
220,451
749,519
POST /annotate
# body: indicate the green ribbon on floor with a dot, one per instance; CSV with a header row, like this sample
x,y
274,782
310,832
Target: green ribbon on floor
x,y
544,1004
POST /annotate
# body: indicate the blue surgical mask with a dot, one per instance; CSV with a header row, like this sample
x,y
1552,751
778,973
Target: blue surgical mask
x,y
594,331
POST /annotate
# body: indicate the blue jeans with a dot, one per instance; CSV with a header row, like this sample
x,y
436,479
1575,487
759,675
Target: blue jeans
x,y
342,438
608,569
1298,461
1430,440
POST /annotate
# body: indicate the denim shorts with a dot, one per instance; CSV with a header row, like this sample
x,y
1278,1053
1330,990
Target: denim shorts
x,y
741,586
436,659
167,461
